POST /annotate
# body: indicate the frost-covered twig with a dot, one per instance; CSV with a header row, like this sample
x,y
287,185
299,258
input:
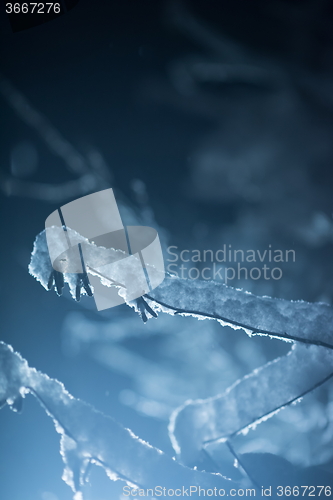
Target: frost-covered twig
x,y
88,435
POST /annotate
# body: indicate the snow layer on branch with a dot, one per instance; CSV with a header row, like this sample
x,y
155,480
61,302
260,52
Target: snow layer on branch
x,y
40,266
90,436
300,320
251,399
99,261
293,320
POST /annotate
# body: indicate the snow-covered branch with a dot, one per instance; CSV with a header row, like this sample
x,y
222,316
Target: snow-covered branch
x,y
89,436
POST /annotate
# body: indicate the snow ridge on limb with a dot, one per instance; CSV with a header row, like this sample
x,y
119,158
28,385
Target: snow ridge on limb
x,y
310,323
250,400
88,436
